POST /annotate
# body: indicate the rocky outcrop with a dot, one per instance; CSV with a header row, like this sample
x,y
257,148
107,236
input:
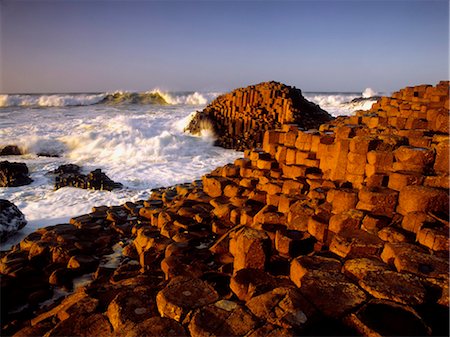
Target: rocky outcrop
x,y
11,219
10,150
134,98
70,175
14,174
240,118
337,231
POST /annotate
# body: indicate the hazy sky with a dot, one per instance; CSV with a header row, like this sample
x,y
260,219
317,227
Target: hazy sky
x,y
319,45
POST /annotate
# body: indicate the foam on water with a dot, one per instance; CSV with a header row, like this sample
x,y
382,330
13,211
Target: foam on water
x,y
339,104
50,100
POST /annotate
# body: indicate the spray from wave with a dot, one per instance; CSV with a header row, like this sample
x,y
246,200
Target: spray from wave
x,y
338,104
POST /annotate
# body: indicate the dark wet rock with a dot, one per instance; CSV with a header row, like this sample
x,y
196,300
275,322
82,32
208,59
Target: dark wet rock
x,y
10,150
134,98
11,219
82,263
48,154
14,174
70,175
67,168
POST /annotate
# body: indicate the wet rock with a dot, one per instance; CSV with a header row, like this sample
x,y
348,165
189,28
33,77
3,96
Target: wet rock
x,y
67,169
63,308
11,219
70,175
181,295
82,263
14,174
10,150
223,318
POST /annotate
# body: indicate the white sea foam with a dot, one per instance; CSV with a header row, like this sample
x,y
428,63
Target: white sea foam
x,y
50,100
338,104
143,147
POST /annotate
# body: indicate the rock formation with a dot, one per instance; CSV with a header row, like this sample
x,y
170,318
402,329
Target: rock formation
x,y
11,219
14,174
240,118
70,175
134,98
10,150
336,231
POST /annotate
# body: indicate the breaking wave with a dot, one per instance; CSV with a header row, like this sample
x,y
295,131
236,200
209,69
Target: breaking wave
x,y
156,96
338,104
50,99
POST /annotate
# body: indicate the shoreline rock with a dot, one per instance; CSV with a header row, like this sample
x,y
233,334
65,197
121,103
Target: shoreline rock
x,y
10,150
14,174
11,219
336,231
70,175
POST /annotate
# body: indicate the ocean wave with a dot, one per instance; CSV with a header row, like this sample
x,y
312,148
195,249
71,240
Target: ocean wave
x,y
124,97
30,100
187,98
155,96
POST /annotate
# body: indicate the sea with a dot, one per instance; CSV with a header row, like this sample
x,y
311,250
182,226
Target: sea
x,y
137,142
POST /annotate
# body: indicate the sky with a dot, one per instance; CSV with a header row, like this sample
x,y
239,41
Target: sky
x,y
319,45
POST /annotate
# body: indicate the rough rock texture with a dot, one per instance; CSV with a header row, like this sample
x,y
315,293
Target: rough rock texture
x,y
338,231
70,175
11,219
14,174
10,150
240,118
